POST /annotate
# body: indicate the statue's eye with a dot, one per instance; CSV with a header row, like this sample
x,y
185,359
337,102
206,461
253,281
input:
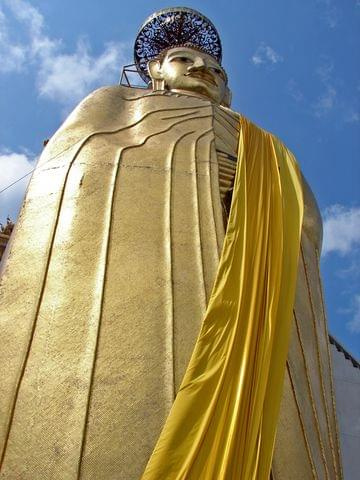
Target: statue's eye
x,y
181,59
218,71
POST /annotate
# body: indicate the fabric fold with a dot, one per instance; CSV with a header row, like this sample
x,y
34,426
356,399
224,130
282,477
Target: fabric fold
x,y
223,421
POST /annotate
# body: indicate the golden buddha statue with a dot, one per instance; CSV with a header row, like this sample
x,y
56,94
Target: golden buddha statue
x,y
103,302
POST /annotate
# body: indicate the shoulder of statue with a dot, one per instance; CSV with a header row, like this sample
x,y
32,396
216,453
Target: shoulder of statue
x,y
101,107
102,110
108,97
231,112
115,91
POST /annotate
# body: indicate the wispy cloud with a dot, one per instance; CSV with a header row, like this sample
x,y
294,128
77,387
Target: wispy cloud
x,y
330,97
265,54
61,76
342,236
13,166
341,229
352,116
294,91
326,101
354,324
325,70
351,270
68,77
12,55
330,13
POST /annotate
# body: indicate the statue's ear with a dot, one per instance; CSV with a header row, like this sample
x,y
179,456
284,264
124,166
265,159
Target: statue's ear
x,y
154,69
226,101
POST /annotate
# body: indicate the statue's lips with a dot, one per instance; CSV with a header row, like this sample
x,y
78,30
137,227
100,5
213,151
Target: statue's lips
x,y
206,77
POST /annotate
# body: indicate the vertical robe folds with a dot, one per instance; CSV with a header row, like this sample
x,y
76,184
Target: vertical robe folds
x,y
223,421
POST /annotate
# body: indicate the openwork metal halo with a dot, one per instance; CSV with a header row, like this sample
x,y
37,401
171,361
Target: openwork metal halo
x,y
173,27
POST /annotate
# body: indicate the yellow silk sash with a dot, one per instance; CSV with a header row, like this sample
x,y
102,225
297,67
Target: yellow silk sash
x,y
222,424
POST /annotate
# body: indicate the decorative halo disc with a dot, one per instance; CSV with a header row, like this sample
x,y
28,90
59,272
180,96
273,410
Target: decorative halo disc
x,y
172,27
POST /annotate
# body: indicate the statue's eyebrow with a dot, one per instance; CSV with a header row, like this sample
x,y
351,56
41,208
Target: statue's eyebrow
x,y
182,53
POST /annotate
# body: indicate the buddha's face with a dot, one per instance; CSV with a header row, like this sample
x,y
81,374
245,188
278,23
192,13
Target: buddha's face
x,y
190,70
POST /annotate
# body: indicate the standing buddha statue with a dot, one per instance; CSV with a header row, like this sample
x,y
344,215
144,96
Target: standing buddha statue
x,y
162,213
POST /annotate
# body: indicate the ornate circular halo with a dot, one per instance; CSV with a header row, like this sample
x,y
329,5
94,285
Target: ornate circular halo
x,y
173,27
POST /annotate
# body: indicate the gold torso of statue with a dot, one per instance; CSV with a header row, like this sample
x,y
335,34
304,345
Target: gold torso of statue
x,y
104,300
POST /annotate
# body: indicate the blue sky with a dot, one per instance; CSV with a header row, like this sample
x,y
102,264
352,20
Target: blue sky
x,y
293,70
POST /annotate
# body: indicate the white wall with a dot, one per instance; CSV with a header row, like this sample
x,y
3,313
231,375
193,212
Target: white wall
x,y
347,390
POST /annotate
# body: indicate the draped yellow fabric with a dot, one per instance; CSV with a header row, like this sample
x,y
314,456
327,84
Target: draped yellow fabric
x,y
223,421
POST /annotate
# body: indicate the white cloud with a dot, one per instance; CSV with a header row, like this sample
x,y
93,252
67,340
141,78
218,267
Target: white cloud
x,y
330,14
327,100
341,229
13,166
28,14
354,324
325,70
294,91
61,76
351,271
68,77
352,117
264,54
12,55
332,100
38,45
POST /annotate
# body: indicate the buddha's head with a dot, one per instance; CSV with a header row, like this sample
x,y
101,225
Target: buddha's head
x,y
185,69
179,49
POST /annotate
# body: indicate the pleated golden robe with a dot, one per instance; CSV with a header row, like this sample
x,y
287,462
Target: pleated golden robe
x,y
105,285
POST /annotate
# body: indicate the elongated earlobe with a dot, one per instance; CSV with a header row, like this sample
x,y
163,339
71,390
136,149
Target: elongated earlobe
x,y
154,69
